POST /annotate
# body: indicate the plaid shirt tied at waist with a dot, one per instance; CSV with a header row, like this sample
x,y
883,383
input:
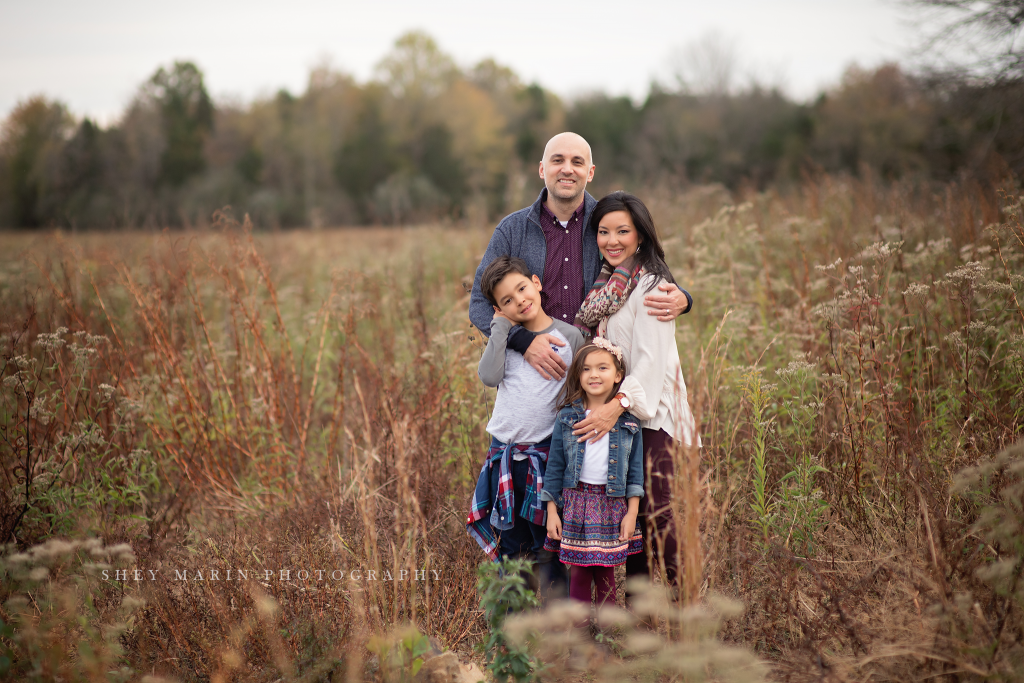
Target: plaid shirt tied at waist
x,y
493,509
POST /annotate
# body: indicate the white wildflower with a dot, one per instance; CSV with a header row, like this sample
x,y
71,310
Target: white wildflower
x,y
993,287
51,341
881,250
138,453
916,289
38,411
835,264
981,326
82,353
129,405
966,274
795,367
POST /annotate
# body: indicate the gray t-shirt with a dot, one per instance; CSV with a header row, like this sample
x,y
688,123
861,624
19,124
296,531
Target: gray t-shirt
x,y
524,410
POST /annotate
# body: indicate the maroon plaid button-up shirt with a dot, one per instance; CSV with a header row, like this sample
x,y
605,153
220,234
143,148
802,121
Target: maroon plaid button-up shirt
x,y
562,293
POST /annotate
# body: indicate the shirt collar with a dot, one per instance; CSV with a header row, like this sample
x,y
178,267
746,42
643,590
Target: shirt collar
x,y
578,213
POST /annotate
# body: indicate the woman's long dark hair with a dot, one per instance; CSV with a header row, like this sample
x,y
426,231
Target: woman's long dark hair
x,y
572,391
651,255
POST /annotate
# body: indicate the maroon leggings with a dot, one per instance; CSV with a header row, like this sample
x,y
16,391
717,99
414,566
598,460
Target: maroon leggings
x,y
655,507
581,578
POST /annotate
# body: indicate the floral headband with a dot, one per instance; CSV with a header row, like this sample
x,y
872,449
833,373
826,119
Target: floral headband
x,y
602,343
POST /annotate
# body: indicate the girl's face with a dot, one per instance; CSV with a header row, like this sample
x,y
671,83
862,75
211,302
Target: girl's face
x,y
617,237
599,376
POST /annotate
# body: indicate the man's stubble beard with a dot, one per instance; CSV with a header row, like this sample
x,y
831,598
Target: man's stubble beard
x,y
574,199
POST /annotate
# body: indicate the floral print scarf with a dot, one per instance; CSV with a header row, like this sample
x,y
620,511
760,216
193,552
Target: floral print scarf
x,y
610,291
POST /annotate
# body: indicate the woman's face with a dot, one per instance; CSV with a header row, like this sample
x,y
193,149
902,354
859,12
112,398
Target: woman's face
x,y
617,237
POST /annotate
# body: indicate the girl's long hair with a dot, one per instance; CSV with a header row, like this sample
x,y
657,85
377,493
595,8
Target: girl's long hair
x,y
651,254
573,391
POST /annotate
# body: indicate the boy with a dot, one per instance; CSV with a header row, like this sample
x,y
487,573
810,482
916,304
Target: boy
x,y
507,517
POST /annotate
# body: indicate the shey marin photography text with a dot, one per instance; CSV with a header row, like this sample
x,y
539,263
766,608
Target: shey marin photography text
x,y
264,575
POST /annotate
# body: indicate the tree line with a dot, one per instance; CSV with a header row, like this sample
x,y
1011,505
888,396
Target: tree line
x,y
426,140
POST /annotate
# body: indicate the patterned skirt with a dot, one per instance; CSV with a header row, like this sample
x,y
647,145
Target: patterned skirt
x,y
590,529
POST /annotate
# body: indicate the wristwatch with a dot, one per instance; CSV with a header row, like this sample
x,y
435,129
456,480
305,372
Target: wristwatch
x,y
623,400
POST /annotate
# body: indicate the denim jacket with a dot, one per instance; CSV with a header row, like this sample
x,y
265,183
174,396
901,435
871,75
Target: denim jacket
x,y
625,456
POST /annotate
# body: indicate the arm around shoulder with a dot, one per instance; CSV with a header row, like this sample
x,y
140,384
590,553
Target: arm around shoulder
x,y
689,300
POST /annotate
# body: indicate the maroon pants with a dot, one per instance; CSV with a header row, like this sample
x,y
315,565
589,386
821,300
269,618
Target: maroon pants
x,y
658,469
584,577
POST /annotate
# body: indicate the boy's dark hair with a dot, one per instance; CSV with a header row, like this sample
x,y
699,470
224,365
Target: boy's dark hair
x,y
496,272
573,391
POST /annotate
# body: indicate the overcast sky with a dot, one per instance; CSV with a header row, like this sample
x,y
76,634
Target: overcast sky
x,y
94,55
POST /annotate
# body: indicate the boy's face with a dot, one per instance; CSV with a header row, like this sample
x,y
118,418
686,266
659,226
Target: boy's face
x,y
518,298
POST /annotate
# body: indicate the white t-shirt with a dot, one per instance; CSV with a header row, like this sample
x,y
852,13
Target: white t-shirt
x,y
595,462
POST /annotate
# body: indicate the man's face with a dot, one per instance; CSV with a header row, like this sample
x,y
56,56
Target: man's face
x,y
518,297
566,168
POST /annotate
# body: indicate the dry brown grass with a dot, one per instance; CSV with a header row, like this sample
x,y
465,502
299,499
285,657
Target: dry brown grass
x,y
309,399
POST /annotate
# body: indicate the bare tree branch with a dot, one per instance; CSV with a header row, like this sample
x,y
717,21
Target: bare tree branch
x,y
987,31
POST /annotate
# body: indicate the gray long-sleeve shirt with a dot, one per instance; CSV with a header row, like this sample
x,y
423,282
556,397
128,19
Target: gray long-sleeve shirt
x,y
524,409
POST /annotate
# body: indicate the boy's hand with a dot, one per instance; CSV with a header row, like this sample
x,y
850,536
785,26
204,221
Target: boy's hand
x,y
666,306
499,314
554,523
543,358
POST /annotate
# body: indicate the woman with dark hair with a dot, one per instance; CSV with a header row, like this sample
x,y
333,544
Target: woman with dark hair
x,y
653,390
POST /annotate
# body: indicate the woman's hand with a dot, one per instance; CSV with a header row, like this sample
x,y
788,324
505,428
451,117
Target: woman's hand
x,y
598,423
554,523
628,526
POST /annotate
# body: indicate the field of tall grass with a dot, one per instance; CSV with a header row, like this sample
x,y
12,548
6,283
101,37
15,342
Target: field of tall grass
x,y
307,401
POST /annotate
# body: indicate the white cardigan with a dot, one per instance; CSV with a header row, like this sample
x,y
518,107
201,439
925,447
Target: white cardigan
x,y
654,381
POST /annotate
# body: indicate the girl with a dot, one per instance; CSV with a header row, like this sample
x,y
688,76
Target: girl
x,y
599,484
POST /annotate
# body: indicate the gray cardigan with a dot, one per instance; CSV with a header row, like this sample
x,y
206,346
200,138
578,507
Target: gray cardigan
x,y
519,234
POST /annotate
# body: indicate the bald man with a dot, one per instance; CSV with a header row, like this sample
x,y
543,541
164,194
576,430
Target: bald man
x,y
556,240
